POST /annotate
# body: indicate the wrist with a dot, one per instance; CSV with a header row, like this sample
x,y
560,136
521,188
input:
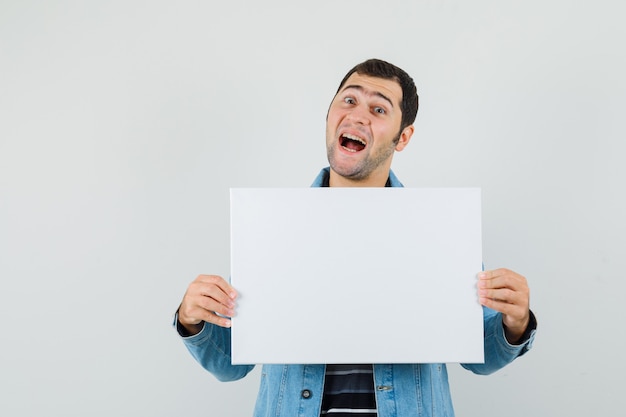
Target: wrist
x,y
186,327
518,334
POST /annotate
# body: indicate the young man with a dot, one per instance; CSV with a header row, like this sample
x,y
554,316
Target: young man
x,y
370,118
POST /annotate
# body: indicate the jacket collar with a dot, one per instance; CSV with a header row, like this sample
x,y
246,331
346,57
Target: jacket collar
x,y
324,176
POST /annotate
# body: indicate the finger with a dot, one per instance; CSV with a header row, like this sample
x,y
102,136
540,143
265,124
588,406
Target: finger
x,y
200,291
206,296
219,282
513,304
215,305
211,317
514,311
502,278
215,287
194,310
503,295
494,273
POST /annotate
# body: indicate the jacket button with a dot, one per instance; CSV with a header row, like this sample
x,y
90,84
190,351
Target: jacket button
x,y
306,393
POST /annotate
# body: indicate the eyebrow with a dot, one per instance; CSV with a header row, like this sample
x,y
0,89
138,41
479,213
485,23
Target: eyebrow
x,y
360,88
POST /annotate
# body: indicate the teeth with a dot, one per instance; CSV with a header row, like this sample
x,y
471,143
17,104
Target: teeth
x,y
356,138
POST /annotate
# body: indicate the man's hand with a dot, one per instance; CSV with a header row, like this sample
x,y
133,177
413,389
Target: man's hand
x,y
507,292
206,296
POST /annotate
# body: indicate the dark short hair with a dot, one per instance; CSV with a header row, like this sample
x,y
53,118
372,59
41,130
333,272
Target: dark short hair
x,y
382,69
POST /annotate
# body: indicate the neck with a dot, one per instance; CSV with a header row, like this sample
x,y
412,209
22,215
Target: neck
x,y
376,179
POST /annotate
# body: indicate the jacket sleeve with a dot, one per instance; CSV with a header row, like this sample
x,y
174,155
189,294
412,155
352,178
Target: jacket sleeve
x,y
498,351
211,348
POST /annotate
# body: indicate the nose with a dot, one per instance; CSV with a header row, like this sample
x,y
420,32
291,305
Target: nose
x,y
359,115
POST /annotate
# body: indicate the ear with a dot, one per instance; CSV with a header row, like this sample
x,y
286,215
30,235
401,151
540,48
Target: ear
x,y
405,137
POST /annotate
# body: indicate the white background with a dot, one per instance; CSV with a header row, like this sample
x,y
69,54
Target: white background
x,y
124,123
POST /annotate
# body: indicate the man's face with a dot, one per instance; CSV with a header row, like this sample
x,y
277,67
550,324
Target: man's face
x,y
363,127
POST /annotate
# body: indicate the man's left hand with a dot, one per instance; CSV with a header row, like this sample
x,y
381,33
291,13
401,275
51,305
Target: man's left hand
x,y
507,292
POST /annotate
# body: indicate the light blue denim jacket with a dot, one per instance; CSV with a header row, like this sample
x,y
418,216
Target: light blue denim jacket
x,y
402,390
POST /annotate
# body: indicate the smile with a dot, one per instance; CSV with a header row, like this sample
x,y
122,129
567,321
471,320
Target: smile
x,y
352,143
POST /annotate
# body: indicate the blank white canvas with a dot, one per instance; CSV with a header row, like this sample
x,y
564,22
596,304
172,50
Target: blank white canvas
x,y
356,275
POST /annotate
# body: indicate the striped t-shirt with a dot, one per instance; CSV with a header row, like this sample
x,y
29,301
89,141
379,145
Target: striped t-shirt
x,y
349,391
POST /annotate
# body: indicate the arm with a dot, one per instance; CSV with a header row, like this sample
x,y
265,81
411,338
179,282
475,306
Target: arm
x,y
498,351
202,321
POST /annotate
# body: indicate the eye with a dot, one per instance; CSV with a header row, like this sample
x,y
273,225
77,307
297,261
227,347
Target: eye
x,y
349,100
379,110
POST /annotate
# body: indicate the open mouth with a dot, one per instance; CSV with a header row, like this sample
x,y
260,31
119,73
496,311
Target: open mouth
x,y
352,143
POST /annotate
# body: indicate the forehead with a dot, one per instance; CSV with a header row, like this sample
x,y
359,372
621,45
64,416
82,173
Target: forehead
x,y
375,86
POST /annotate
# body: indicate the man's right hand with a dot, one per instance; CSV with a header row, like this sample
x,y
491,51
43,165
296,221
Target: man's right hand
x,y
206,297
